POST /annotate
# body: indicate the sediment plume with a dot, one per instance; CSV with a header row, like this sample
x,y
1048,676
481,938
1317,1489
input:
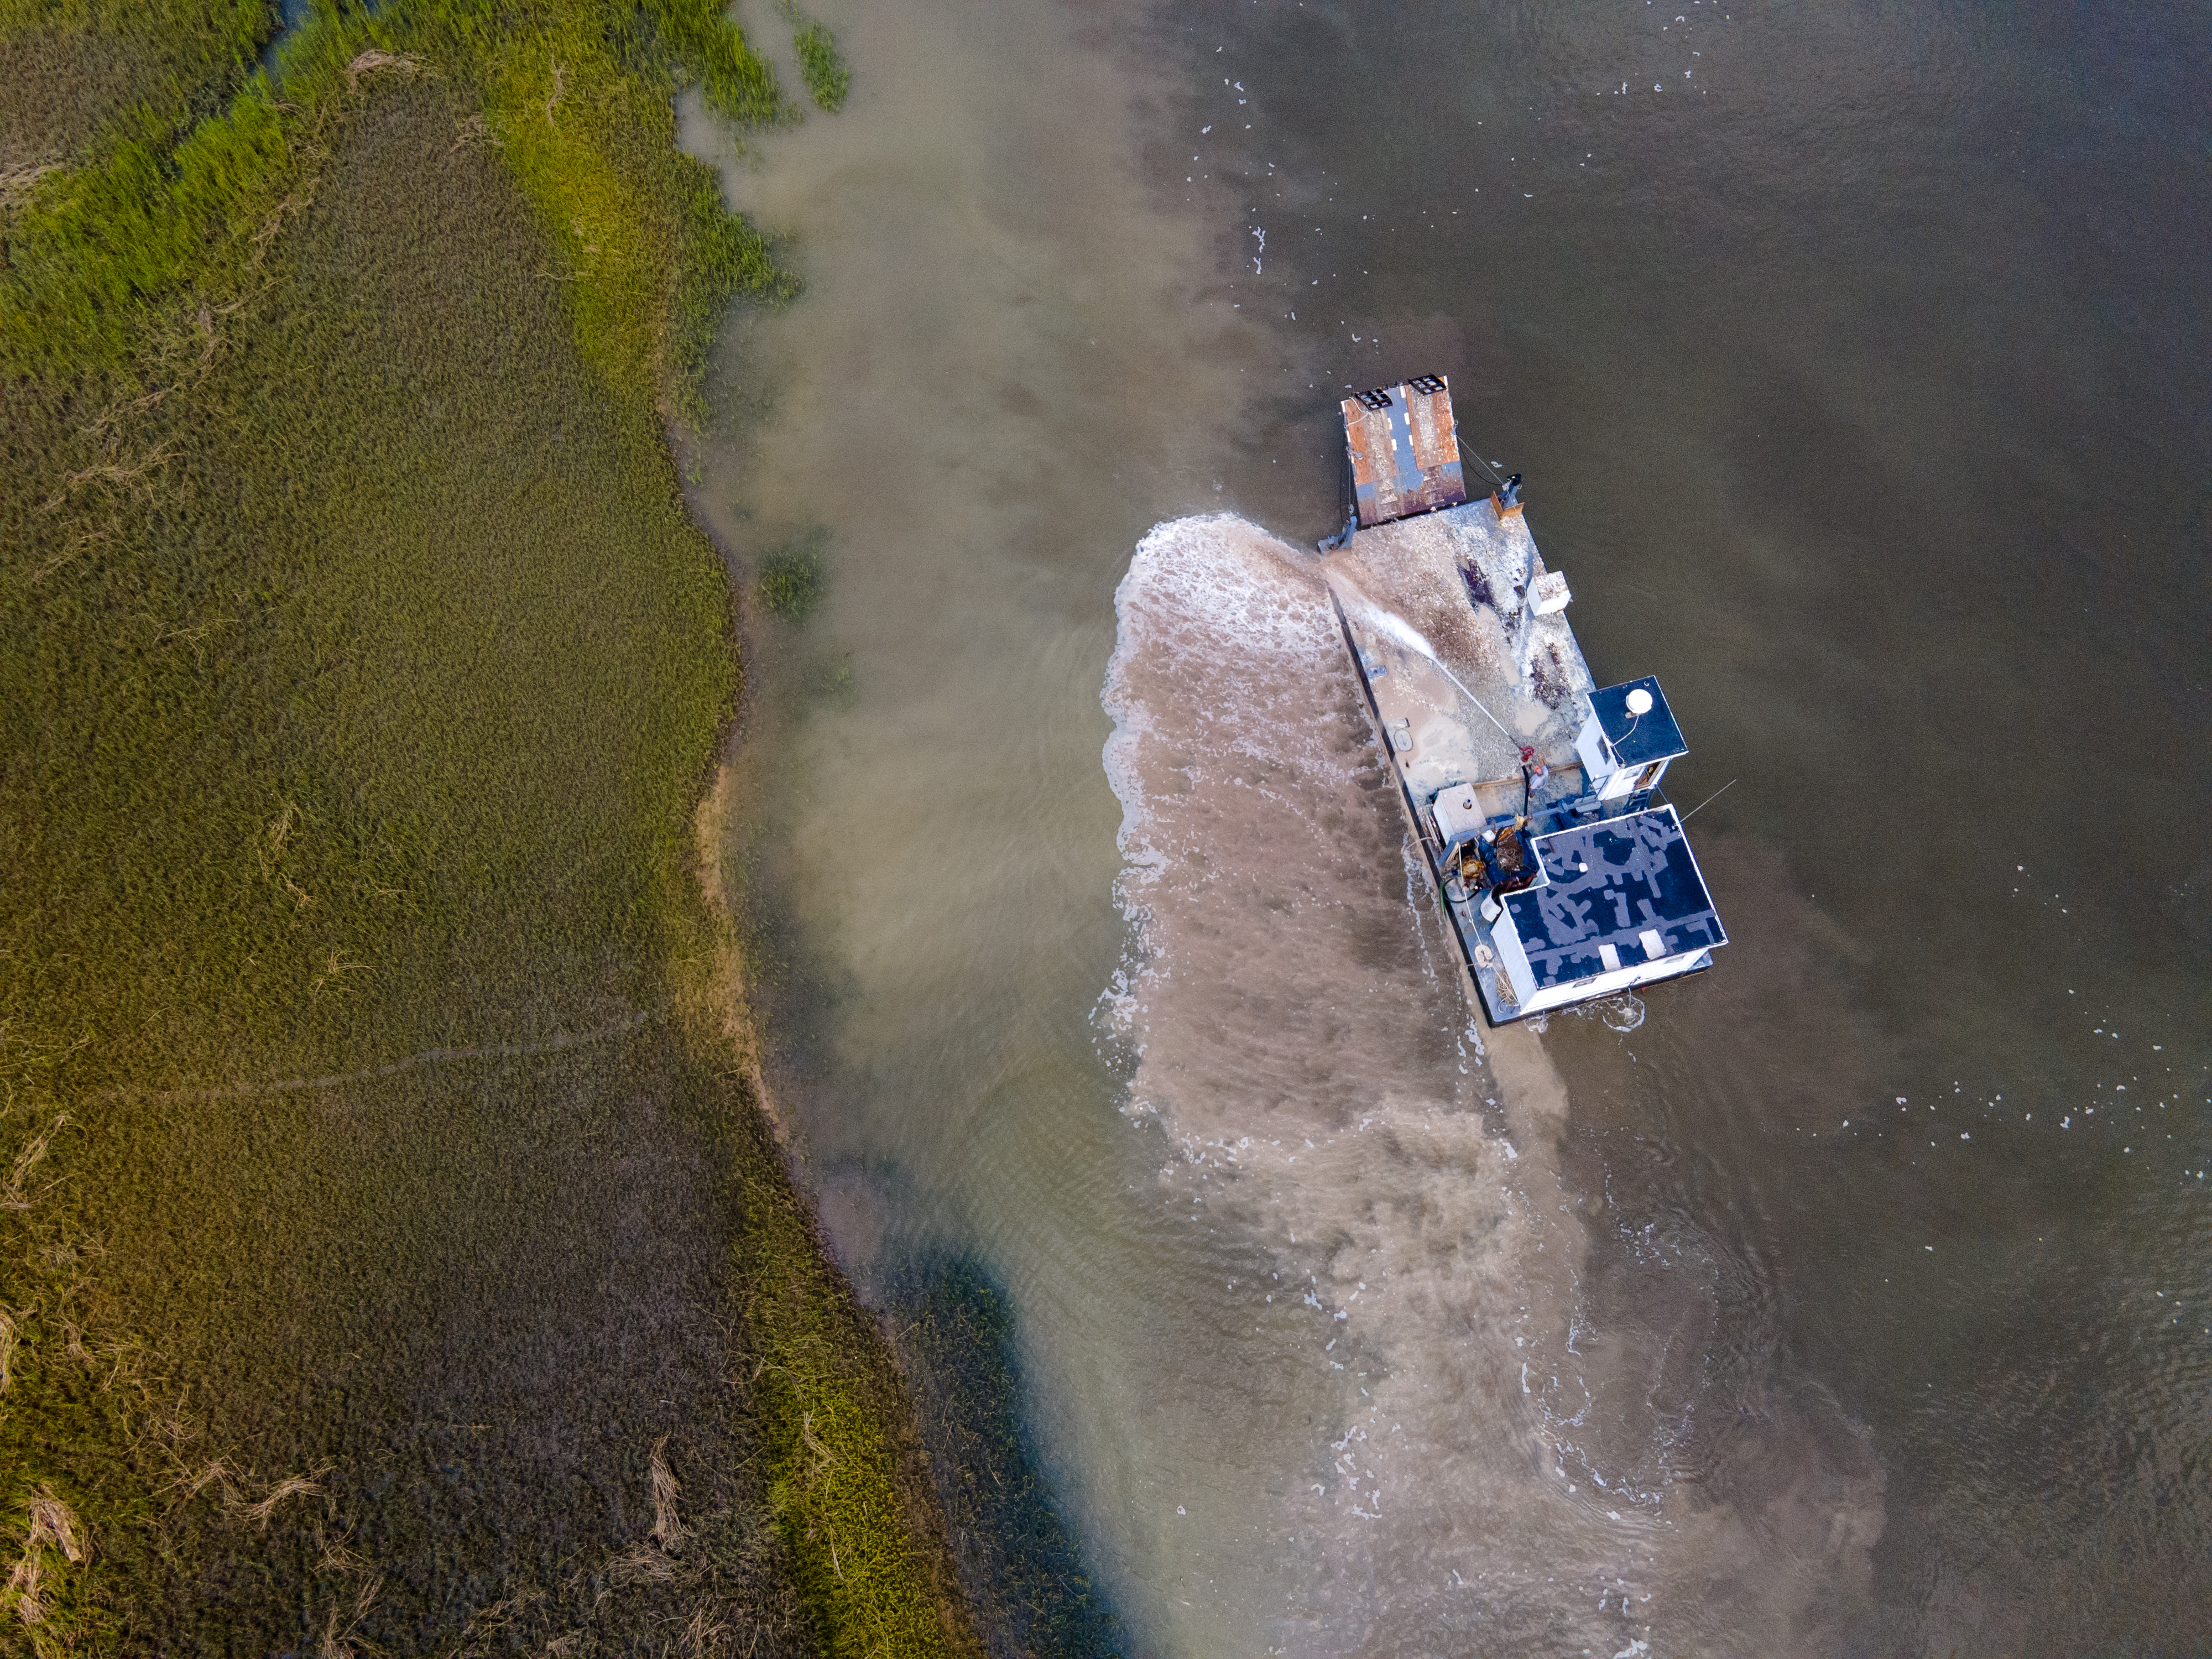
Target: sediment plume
x,y
1499,1472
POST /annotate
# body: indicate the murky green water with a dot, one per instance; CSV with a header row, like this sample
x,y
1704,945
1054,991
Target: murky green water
x,y
1856,360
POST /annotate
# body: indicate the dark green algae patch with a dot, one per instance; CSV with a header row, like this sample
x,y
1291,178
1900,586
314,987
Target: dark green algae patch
x,y
392,1254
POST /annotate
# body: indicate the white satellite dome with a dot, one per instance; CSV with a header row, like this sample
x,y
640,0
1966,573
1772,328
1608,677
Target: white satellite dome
x,y
1640,702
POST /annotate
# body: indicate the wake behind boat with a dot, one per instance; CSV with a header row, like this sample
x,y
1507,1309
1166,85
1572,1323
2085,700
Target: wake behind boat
x,y
1534,792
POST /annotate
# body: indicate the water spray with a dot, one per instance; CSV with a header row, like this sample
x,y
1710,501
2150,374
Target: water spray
x,y
1403,632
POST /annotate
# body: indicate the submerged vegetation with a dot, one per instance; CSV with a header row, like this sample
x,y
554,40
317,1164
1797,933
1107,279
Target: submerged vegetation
x,y
845,1467
392,1256
822,65
791,578
1009,1538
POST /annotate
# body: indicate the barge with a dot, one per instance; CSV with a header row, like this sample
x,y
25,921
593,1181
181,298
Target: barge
x,y
1535,793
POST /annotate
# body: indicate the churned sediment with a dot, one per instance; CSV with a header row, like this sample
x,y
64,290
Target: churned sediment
x,y
1299,1028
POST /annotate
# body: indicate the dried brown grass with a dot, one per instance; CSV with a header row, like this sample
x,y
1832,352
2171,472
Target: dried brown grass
x,y
719,998
189,1483
12,1195
54,1521
705,1633
337,1643
642,1564
338,1557
668,1529
369,62
293,1485
27,1588
51,1525
16,184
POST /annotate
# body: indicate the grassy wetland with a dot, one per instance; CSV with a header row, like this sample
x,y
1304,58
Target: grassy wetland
x,y
395,1252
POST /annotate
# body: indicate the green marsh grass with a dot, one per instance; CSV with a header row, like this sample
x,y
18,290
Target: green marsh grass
x,y
391,1257
827,79
73,70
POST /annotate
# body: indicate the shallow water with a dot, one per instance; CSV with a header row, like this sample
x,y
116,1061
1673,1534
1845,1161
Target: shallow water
x,y
1856,364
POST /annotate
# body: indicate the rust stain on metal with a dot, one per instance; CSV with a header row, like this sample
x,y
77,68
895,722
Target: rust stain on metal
x,y
1404,446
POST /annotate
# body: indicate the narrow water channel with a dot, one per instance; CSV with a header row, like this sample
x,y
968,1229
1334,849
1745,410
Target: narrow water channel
x,y
1856,1299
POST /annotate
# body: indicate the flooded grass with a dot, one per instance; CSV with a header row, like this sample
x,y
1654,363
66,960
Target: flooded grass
x,y
791,578
1016,1551
848,1478
391,1255
828,78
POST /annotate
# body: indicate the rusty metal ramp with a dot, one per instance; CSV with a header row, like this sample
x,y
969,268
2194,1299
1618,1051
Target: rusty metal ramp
x,y
1404,448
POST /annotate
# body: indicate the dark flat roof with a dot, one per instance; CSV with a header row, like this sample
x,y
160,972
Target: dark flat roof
x,y
1638,739
1609,883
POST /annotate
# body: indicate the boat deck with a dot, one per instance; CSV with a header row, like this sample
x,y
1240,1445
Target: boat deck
x,y
1457,581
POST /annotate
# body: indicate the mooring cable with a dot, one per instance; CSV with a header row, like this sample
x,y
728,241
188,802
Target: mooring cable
x,y
1460,443
1708,800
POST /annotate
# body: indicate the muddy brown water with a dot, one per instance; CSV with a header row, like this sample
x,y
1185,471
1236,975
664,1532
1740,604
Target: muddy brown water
x,y
1854,1300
